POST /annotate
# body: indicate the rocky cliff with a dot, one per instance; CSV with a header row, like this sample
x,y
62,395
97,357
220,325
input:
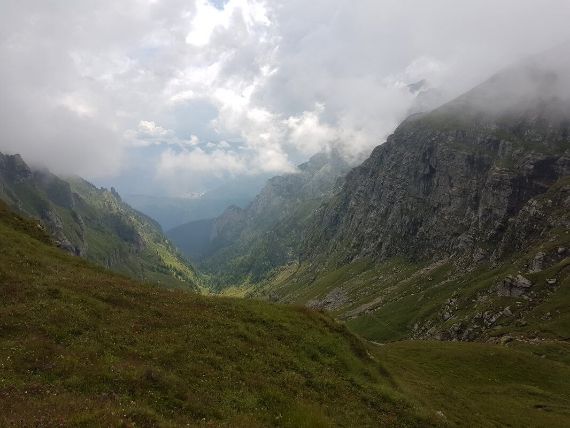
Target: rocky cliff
x,y
458,226
450,182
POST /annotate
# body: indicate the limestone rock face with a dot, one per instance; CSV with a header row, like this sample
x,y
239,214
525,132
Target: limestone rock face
x,y
514,286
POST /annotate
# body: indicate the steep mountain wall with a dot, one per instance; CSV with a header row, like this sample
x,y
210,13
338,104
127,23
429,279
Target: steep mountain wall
x,y
458,227
449,182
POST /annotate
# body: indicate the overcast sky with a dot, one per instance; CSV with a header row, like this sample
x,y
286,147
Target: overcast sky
x,y
176,96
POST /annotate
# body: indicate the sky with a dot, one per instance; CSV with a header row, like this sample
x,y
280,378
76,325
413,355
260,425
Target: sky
x,y
176,97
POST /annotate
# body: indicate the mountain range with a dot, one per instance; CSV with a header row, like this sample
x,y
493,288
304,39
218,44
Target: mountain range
x,y
427,286
82,346
456,228
244,245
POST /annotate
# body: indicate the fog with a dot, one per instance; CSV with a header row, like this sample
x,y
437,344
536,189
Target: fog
x,y
537,86
179,96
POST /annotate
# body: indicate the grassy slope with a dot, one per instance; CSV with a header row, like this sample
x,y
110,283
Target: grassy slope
x,y
81,346
380,302
385,302
158,261
475,384
96,223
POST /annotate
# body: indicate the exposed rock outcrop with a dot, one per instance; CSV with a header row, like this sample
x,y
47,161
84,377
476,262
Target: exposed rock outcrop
x,y
451,182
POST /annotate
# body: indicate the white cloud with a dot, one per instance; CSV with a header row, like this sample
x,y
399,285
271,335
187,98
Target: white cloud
x,y
308,134
149,133
196,160
267,82
209,18
150,129
78,105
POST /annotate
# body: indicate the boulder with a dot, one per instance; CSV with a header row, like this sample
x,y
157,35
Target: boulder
x,y
514,286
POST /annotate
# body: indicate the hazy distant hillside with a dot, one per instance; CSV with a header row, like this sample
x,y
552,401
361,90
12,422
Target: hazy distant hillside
x,y
93,223
244,245
171,212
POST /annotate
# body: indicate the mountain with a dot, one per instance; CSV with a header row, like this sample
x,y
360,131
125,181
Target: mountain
x,y
81,346
474,162
458,226
171,212
244,245
93,223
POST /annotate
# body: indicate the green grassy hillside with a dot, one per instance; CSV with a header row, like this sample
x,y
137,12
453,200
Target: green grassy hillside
x,y
481,385
80,346
94,223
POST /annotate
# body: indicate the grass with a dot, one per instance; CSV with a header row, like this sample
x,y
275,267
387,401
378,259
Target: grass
x,y
385,300
80,346
475,384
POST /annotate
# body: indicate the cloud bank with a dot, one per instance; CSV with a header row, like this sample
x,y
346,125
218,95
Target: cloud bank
x,y
202,91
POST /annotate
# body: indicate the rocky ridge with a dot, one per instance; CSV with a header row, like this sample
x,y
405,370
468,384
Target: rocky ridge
x,y
450,181
456,227
93,223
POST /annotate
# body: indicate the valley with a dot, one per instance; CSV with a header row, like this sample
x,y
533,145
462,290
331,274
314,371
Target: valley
x,y
457,228
243,213
83,346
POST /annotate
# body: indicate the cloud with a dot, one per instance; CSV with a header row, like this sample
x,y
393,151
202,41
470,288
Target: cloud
x,y
204,91
198,161
149,133
151,130
307,133
202,166
208,18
